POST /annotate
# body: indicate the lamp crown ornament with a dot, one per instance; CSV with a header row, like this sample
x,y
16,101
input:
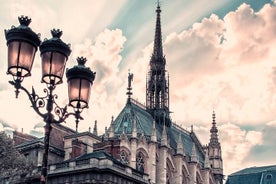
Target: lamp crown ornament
x,y
23,32
24,20
55,44
81,60
56,33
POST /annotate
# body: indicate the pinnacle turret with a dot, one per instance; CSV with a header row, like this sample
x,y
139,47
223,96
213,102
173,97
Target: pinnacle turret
x,y
214,152
153,132
180,148
214,131
111,129
134,128
194,157
95,129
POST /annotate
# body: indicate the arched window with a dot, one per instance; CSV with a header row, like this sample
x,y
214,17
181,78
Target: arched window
x,y
124,157
140,162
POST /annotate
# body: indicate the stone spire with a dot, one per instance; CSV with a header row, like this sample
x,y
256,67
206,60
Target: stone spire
x,y
153,132
164,138
194,157
157,101
158,48
180,148
214,152
214,131
95,129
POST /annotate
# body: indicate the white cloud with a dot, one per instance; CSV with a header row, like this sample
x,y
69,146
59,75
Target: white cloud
x,y
104,57
236,144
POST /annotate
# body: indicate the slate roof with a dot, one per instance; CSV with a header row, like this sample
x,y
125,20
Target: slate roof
x,y
254,175
144,122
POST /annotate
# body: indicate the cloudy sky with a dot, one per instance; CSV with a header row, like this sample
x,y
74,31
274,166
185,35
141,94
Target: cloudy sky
x,y
220,55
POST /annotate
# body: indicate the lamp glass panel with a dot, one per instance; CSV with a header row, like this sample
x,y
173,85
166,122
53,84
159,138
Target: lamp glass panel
x,y
73,89
79,92
20,57
53,65
85,90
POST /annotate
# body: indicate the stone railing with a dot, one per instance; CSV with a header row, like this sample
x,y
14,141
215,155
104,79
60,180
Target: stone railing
x,y
97,163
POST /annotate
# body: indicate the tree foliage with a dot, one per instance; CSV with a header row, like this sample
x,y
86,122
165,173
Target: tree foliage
x,y
12,163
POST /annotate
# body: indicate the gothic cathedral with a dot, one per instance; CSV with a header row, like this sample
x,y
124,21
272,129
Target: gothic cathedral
x,y
145,138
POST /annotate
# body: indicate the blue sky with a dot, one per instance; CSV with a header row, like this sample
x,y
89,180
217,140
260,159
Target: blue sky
x,y
220,55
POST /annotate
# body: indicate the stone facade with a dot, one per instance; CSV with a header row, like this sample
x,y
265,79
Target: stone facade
x,y
185,162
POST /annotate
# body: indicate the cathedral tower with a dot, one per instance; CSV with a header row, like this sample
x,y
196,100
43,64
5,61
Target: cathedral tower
x,y
215,153
157,97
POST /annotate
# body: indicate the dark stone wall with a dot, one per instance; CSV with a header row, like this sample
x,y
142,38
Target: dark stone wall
x,y
57,134
19,138
111,147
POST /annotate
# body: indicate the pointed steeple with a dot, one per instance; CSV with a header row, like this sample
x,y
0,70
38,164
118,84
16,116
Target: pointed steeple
x,y
194,157
95,129
164,138
158,48
153,132
214,131
157,102
180,148
214,151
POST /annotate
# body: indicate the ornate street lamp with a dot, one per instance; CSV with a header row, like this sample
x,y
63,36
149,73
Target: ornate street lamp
x,y
22,45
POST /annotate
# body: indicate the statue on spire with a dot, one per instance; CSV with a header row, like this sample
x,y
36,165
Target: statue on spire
x,y
129,88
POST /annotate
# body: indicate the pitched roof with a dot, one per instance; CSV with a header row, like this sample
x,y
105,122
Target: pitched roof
x,y
144,120
254,175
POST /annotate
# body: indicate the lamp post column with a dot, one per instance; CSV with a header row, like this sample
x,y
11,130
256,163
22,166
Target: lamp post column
x,y
44,168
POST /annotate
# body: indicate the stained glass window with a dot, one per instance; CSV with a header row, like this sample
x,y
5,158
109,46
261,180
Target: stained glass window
x,y
140,162
124,157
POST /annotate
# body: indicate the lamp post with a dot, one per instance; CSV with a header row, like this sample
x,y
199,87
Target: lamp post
x,y
22,45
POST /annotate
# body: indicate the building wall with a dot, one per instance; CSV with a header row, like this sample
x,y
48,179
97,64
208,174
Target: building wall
x,y
86,139
20,137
